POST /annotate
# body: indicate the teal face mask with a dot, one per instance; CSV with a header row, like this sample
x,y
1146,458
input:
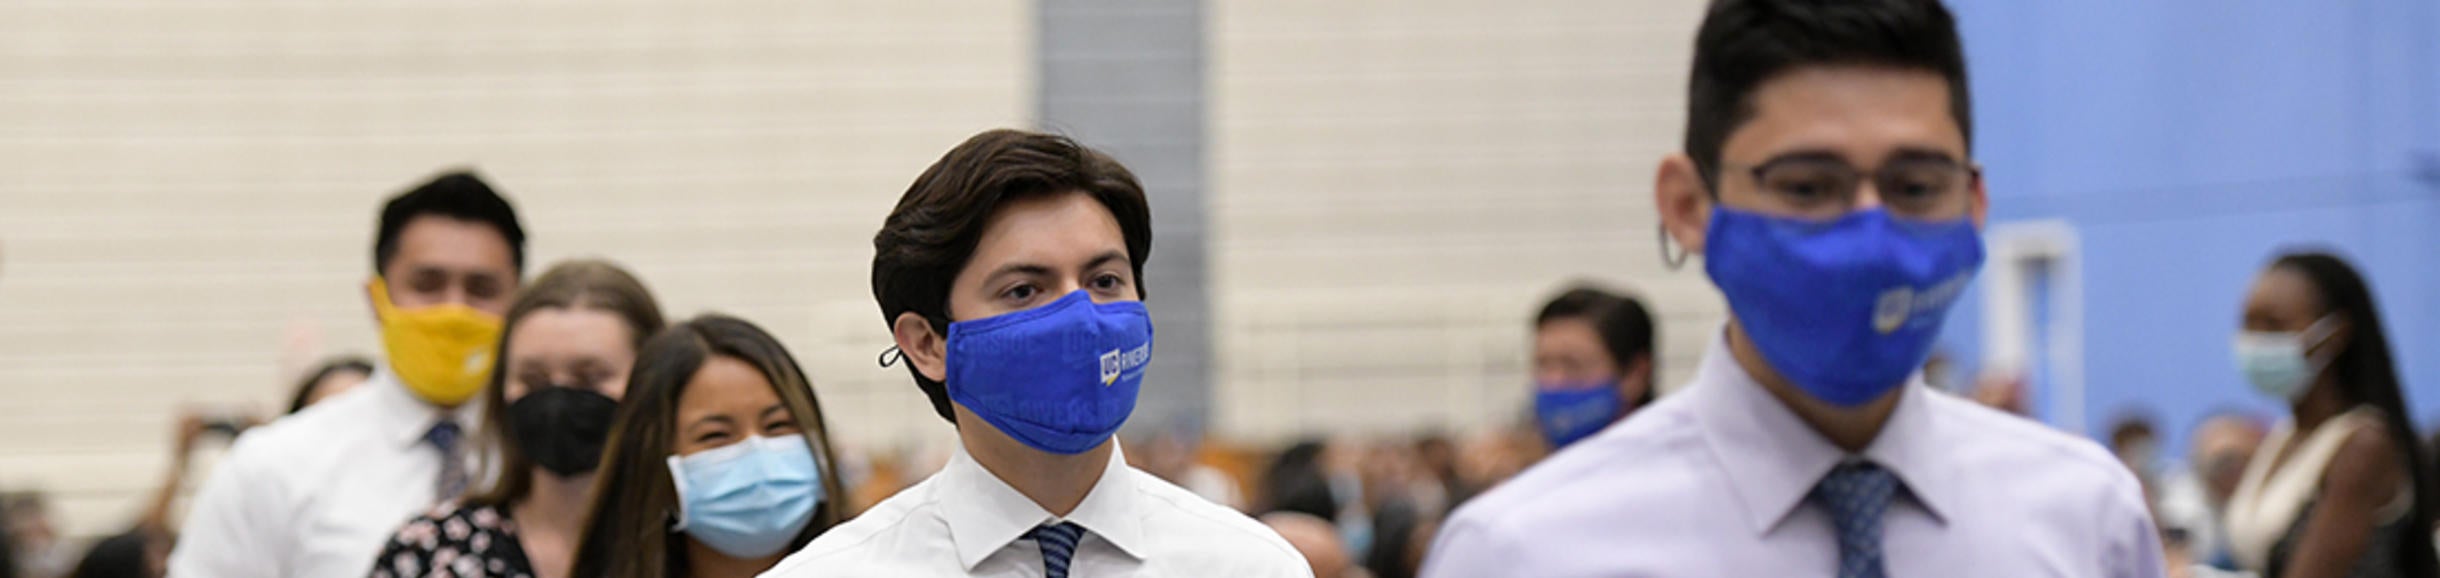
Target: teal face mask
x,y
748,499
2276,363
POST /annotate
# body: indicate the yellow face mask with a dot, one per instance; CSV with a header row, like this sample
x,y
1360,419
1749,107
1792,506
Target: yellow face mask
x,y
443,353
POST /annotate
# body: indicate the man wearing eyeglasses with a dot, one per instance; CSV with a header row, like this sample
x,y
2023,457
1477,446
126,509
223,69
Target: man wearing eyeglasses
x,y
1828,184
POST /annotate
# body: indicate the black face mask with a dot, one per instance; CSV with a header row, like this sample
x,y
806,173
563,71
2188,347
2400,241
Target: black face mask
x,y
562,428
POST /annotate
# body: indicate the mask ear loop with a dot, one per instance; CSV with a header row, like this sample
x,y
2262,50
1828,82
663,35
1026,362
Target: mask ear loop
x,y
890,357
2319,326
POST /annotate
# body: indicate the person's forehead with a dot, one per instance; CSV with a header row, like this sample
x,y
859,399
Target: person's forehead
x,y
563,329
724,384
1568,329
2284,290
1845,108
449,243
1031,226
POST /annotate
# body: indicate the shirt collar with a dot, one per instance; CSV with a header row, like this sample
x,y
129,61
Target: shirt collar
x,y
984,514
1773,459
406,418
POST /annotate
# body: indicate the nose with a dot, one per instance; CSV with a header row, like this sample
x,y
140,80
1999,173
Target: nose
x,y
455,294
1867,196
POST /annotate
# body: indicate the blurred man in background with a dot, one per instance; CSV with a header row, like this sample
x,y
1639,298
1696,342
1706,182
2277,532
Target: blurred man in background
x,y
316,494
2193,499
1317,540
335,376
37,545
2136,442
1593,363
1827,182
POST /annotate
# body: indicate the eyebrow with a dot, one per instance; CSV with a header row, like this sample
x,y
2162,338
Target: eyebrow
x,y
1105,259
701,423
778,408
1918,154
1019,269
1802,156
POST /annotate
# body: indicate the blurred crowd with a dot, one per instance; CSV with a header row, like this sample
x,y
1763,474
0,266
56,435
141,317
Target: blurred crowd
x,y
557,424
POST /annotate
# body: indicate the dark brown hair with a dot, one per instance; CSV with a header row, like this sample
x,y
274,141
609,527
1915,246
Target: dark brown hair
x,y
1626,329
627,532
356,364
933,232
1744,44
578,284
457,194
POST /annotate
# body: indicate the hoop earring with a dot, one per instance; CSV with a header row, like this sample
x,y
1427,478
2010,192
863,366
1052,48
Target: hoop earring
x,y
1673,261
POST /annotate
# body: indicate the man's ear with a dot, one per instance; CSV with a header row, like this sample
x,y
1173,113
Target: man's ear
x,y
1982,199
928,351
1683,202
371,308
1638,372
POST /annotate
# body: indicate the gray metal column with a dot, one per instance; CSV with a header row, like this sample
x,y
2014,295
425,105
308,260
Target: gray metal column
x,y
1126,77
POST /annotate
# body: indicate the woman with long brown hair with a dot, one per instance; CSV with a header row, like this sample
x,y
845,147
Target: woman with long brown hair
x,y
720,463
568,340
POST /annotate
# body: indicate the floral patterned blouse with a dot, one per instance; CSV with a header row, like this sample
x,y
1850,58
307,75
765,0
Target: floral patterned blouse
x,y
472,542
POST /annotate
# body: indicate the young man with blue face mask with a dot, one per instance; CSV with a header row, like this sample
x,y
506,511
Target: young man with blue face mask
x,y
1592,363
1828,185
1009,274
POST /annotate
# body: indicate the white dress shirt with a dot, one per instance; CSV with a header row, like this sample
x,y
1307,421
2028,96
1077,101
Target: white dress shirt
x,y
317,494
964,521
1712,481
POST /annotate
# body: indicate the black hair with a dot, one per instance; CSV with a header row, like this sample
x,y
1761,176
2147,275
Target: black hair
x,y
8,544
126,555
1393,536
1625,327
1295,483
2130,425
305,387
457,195
933,231
1746,43
2365,374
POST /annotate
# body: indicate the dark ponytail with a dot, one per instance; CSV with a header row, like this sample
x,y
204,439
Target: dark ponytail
x,y
2367,375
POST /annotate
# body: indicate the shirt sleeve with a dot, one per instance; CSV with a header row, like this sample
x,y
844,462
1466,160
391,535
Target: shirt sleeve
x,y
2136,551
1466,548
233,527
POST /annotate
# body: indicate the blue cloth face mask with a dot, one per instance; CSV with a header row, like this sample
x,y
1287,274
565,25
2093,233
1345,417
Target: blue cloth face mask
x,y
748,499
1844,308
1569,412
1060,377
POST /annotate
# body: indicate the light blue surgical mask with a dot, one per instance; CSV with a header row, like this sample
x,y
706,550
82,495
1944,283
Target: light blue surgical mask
x,y
2276,363
1844,308
748,499
1059,378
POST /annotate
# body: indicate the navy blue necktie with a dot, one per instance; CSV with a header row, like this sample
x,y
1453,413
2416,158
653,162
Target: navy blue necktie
x,y
1058,546
1856,494
444,436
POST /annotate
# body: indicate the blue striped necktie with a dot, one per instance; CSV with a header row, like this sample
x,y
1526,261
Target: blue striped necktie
x,y
1058,546
445,436
1856,494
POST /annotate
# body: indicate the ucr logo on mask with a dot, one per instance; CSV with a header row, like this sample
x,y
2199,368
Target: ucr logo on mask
x,y
1116,363
1891,310
1900,304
